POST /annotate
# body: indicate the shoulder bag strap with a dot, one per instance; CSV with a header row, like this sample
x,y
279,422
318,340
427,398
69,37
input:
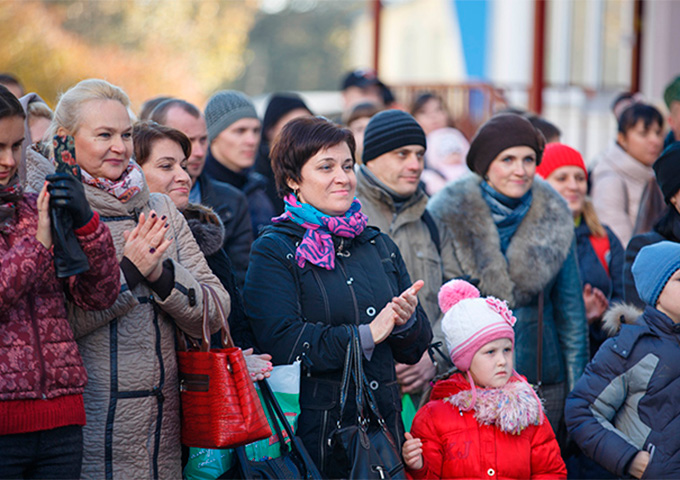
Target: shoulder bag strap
x,y
227,341
434,231
205,343
346,374
539,345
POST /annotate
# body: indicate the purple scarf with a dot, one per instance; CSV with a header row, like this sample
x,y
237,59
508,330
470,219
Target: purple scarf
x,y
317,243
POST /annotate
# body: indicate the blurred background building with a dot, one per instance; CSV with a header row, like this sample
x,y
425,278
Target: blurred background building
x,y
564,59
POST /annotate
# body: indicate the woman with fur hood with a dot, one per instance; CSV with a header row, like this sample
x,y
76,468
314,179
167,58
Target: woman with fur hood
x,y
623,412
513,236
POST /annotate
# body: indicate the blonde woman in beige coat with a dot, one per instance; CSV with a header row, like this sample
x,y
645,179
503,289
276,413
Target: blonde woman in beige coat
x,y
132,398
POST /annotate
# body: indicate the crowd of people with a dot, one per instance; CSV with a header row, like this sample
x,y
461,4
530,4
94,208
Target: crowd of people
x,y
524,304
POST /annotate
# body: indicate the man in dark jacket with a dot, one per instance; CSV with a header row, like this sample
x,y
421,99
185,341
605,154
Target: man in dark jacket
x,y
227,201
234,131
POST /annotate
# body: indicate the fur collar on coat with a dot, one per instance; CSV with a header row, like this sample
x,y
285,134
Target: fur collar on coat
x,y
535,254
206,226
510,408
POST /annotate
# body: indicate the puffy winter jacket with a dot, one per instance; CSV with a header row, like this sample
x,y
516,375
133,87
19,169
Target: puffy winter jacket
x,y
457,445
626,400
296,311
39,358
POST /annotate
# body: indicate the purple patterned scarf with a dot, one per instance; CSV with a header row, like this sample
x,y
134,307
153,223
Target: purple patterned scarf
x,y
317,243
10,194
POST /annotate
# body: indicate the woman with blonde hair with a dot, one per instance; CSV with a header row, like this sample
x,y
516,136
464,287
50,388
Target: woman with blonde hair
x,y
132,399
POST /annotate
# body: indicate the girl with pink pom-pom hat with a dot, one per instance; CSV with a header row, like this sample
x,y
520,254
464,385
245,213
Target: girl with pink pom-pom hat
x,y
486,420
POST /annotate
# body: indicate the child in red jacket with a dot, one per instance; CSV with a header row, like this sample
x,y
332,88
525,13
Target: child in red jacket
x,y
485,421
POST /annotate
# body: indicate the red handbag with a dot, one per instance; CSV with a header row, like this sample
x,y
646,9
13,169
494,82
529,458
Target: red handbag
x,y
220,407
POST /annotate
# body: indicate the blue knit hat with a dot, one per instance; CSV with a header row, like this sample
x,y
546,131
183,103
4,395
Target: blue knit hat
x,y
652,268
225,108
389,130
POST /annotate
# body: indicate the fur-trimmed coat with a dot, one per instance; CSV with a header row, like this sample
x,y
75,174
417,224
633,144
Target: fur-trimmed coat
x,y
541,257
626,401
209,232
471,444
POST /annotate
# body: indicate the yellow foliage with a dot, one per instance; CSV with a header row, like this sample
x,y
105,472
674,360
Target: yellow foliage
x,y
183,48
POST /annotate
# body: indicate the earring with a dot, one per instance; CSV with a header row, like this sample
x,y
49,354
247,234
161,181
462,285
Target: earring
x,y
296,191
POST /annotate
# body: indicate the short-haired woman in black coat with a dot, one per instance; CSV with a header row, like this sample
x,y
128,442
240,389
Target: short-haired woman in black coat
x,y
319,268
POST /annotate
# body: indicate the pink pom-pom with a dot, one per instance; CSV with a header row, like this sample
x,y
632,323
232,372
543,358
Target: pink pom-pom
x,y
454,291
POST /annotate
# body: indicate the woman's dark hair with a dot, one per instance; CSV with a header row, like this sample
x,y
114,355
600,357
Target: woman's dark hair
x,y
548,129
9,104
365,109
145,134
299,141
636,112
664,226
422,99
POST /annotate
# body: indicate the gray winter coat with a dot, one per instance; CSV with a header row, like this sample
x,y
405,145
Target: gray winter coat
x,y
132,397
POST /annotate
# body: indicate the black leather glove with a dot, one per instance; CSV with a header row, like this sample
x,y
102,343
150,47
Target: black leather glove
x,y
67,192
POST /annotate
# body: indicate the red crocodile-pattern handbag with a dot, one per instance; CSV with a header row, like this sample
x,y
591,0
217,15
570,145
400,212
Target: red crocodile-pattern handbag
x,y
220,407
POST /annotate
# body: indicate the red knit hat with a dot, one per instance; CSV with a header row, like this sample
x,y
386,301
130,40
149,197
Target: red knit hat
x,y
558,155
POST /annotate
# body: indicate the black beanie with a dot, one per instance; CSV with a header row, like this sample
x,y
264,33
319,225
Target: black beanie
x,y
389,130
667,171
502,131
279,105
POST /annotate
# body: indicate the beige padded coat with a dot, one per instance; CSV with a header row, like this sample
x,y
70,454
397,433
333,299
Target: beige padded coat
x,y
132,398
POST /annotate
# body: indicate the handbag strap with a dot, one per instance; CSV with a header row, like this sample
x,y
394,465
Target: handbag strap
x,y
346,374
227,341
539,346
275,413
364,391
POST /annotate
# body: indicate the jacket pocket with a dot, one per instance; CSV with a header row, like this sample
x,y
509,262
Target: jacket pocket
x,y
319,394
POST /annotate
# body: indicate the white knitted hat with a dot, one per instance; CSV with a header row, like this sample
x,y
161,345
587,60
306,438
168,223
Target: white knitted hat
x,y
470,321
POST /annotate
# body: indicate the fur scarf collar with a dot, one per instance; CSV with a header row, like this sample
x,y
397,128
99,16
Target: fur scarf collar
x,y
206,226
511,408
535,254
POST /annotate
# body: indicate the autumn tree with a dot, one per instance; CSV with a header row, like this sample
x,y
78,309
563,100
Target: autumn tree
x,y
187,48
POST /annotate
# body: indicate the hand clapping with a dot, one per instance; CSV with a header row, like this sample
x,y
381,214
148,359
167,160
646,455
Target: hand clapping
x,y
396,312
146,244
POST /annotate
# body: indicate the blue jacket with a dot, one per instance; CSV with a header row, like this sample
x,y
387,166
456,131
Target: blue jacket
x,y
296,311
593,272
627,399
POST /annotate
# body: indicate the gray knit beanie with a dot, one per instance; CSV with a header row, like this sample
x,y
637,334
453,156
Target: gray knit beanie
x,y
389,130
224,108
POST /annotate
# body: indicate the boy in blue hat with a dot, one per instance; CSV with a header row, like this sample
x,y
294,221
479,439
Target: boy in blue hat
x,y
624,411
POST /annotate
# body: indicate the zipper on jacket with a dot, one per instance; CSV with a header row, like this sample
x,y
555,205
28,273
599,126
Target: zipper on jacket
x,y
326,303
41,358
349,283
394,220
324,443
